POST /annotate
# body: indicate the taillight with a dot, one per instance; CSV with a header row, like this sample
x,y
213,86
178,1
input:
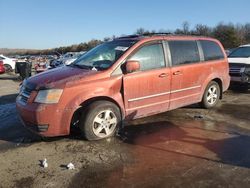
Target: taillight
x,y
1,63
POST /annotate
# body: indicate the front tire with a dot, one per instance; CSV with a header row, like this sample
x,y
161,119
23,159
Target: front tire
x,y
8,68
211,95
240,88
101,120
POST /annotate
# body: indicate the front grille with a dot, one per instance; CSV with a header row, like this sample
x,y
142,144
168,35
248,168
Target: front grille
x,y
236,69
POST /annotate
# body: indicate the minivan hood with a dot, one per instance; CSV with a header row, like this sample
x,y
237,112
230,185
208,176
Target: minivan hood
x,y
59,76
239,60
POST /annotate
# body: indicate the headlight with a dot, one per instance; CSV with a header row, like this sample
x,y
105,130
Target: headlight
x,y
49,96
242,69
247,71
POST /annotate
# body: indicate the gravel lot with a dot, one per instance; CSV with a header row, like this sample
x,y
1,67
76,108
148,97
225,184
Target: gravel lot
x,y
187,147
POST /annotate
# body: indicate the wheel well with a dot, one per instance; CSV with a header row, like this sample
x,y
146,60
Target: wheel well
x,y
90,101
6,64
220,85
83,106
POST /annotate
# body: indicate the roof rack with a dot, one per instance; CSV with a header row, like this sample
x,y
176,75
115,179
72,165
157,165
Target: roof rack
x,y
154,34
128,36
161,34
143,35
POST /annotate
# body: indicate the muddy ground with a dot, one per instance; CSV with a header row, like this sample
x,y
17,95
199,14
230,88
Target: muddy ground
x,y
187,147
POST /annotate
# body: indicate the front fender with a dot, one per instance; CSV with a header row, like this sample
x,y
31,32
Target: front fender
x,y
74,97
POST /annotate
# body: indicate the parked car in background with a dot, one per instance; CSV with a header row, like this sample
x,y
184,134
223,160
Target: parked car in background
x,y
2,68
9,63
127,78
229,51
239,63
66,59
41,66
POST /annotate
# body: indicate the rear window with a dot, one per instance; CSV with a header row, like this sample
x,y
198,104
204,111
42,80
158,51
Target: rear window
x,y
211,50
184,52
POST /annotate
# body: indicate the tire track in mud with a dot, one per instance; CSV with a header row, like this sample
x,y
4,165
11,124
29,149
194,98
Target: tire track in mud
x,y
6,110
12,133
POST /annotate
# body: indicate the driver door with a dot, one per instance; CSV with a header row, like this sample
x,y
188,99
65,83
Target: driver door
x,y
147,91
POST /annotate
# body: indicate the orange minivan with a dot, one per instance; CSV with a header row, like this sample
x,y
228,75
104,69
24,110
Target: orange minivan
x,y
127,78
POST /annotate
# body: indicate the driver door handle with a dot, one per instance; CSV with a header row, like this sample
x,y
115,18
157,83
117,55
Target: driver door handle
x,y
177,73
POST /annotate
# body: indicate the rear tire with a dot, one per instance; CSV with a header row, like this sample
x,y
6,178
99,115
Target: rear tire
x,y
211,95
101,120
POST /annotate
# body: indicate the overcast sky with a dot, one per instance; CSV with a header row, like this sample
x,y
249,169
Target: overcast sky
x,y
52,23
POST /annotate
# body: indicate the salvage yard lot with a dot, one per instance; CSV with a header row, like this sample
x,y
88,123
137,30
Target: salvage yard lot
x,y
190,147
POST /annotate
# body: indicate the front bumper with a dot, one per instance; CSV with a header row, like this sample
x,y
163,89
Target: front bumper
x,y
239,73
44,120
243,79
34,128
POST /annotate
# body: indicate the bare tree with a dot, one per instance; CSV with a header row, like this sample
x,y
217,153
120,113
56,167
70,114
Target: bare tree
x,y
141,31
203,30
185,28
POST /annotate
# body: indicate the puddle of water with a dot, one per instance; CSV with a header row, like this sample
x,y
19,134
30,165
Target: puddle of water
x,y
163,152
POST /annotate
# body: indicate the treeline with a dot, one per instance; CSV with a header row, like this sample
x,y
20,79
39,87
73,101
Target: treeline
x,y
62,50
230,35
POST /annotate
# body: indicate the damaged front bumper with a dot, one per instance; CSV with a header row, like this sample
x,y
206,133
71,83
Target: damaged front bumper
x,y
44,120
33,127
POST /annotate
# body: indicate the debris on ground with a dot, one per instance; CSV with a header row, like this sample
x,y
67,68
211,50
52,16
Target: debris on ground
x,y
20,141
70,166
45,163
198,117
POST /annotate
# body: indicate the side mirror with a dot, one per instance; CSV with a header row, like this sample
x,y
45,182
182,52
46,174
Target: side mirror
x,y
132,66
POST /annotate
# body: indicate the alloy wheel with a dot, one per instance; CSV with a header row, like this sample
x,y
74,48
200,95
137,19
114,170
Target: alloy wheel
x,y
212,94
104,123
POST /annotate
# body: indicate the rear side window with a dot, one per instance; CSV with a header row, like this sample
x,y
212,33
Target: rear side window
x,y
211,50
150,57
184,52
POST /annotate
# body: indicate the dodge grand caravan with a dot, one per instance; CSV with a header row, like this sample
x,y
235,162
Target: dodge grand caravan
x,y
127,78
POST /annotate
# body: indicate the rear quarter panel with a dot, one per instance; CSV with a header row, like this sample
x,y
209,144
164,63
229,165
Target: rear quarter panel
x,y
217,69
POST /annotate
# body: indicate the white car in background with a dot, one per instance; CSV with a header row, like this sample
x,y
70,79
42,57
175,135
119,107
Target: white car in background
x,y
239,63
8,63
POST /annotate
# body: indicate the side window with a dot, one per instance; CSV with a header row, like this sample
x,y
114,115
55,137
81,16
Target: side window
x,y
150,57
184,52
211,50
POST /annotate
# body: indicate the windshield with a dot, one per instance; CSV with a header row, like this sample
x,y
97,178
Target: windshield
x,y
103,56
243,52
